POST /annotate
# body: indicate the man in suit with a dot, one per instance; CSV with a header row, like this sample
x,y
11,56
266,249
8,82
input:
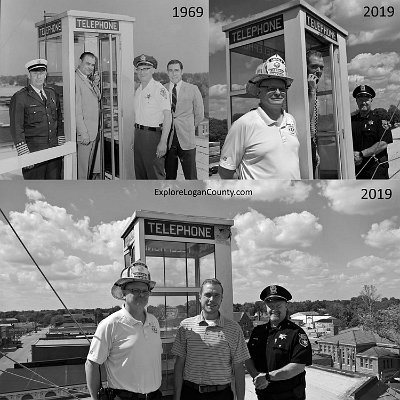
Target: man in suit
x,y
36,121
187,112
87,97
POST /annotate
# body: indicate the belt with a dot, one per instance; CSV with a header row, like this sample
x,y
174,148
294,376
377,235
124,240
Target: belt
x,y
125,394
149,128
207,388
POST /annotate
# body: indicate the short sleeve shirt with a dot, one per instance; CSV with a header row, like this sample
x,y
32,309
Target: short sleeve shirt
x,y
260,149
150,104
210,350
130,350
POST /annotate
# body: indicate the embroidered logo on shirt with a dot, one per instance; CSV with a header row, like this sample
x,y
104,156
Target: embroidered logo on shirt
x,y
148,97
154,328
163,93
385,124
282,336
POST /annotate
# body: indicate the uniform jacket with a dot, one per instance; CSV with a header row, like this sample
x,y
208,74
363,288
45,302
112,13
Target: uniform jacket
x,y
33,122
86,107
188,114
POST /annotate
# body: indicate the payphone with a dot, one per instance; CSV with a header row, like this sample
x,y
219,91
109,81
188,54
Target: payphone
x,y
181,252
62,39
290,30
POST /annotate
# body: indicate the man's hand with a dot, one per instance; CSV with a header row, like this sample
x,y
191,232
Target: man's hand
x,y
85,139
260,382
161,149
357,158
312,82
96,78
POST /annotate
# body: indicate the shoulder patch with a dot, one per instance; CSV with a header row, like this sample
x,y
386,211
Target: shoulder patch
x,y
163,93
385,124
303,339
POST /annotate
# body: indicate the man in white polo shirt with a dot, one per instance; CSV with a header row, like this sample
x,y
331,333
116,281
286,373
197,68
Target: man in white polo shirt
x,y
263,143
128,342
208,348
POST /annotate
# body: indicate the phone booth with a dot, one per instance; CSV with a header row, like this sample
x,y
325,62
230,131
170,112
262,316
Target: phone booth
x,y
181,252
62,39
290,30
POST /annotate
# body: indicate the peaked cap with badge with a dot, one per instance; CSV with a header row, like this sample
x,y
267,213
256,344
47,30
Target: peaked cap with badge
x,y
36,64
275,291
143,59
363,90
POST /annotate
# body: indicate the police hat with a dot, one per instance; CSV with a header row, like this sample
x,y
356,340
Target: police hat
x,y
38,63
275,291
145,60
363,90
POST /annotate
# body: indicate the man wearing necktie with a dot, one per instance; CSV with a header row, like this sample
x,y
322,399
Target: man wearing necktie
x,y
187,112
36,121
87,97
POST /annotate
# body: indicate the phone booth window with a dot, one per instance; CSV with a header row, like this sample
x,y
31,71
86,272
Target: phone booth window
x,y
51,49
327,126
180,264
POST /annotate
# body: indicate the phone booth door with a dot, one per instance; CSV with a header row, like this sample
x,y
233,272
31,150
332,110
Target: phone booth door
x,y
108,65
328,126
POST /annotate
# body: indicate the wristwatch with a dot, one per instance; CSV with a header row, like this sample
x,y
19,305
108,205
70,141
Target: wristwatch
x,y
266,374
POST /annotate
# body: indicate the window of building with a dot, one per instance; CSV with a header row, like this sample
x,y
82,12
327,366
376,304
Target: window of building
x,y
361,362
348,358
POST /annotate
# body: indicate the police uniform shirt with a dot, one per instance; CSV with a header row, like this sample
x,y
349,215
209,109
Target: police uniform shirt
x,y
150,103
131,351
260,149
366,132
273,348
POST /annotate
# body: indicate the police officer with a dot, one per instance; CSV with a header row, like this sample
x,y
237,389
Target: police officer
x,y
279,351
36,121
371,136
153,120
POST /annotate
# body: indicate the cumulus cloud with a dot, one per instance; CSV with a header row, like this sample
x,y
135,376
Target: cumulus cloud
x,y
346,196
374,66
217,36
33,194
385,234
281,190
255,231
218,91
372,264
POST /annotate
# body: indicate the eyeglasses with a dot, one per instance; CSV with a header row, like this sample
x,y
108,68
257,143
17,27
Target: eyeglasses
x,y
137,292
274,89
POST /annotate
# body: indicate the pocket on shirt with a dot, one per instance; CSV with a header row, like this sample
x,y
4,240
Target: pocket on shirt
x,y
34,115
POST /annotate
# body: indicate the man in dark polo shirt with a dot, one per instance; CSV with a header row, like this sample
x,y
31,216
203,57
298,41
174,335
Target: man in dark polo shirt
x,y
371,136
279,351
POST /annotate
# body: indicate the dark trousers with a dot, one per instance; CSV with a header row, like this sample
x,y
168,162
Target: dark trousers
x,y
189,393
45,170
147,164
187,158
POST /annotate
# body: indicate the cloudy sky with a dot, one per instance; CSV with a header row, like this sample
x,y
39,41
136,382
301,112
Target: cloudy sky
x,y
320,240
372,48
156,31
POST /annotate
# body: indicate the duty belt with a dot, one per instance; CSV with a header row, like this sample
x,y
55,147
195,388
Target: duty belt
x,y
149,128
206,388
125,394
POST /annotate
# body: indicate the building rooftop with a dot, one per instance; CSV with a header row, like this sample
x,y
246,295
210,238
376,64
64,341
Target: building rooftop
x,y
61,342
378,352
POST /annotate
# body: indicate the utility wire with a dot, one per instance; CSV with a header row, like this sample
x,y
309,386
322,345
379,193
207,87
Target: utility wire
x,y
44,276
